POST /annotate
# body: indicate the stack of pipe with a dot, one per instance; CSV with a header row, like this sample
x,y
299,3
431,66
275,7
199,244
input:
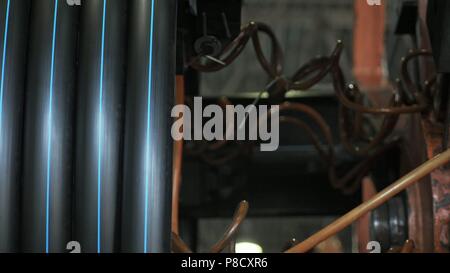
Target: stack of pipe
x,y
86,94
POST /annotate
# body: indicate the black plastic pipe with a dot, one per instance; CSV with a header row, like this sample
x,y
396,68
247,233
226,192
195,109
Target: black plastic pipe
x,y
100,114
14,16
49,118
148,143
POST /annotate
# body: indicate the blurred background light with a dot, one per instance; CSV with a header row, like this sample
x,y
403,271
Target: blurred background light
x,y
247,247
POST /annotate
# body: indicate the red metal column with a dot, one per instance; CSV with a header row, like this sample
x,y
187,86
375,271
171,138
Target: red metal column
x,y
369,44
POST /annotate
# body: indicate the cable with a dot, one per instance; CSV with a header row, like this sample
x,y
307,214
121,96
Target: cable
x,y
177,162
179,246
351,110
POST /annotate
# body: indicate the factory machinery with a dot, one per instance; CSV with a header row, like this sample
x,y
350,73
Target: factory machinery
x,y
88,162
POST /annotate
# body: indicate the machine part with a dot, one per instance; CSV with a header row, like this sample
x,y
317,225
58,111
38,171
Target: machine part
x,y
435,14
208,45
389,224
420,203
100,117
218,19
310,74
398,221
388,193
313,72
14,16
148,144
49,118
379,228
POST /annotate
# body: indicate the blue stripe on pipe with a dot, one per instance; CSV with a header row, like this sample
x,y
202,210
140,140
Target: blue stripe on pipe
x,y
5,42
100,130
147,154
49,128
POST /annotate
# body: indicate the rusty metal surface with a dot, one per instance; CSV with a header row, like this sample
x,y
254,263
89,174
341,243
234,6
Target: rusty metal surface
x,y
297,33
440,179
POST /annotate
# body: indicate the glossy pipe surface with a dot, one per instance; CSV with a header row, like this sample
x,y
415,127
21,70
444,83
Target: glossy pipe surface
x,y
100,114
148,144
14,17
49,118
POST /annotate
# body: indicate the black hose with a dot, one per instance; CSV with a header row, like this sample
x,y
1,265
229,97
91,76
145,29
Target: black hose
x,y
49,118
14,17
148,143
100,111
